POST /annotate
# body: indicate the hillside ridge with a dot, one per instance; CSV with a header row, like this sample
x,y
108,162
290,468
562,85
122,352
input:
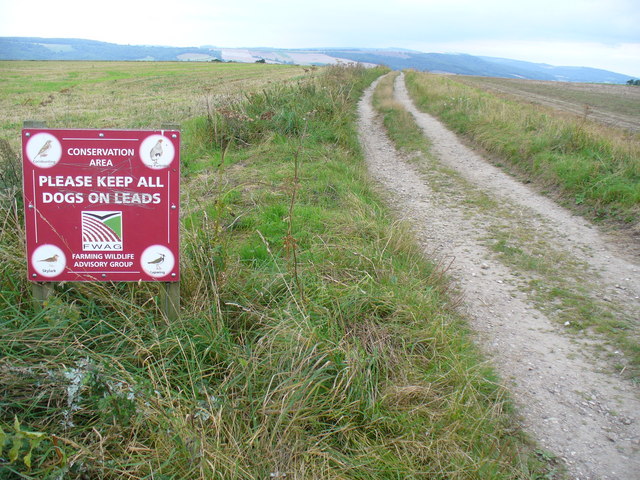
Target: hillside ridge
x,y
36,48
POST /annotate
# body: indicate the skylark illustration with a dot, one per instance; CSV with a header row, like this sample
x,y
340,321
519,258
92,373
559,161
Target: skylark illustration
x,y
53,259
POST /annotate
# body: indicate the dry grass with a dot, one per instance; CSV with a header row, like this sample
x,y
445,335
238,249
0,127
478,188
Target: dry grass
x,y
612,105
123,94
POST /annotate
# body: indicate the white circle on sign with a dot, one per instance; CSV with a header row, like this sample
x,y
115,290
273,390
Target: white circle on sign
x,y
156,151
48,260
157,261
44,150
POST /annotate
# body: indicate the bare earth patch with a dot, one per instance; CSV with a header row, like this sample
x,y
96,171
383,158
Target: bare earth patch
x,y
570,400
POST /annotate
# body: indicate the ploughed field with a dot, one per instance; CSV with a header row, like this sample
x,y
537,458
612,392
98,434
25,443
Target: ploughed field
x,y
614,105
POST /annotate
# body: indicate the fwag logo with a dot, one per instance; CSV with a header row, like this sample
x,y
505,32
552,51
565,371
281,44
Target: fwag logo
x,y
101,231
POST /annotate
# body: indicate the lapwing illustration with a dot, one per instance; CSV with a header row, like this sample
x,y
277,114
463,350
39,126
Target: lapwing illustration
x,y
53,259
157,261
43,150
156,152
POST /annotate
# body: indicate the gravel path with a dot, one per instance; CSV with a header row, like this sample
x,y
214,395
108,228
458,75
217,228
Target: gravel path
x,y
568,399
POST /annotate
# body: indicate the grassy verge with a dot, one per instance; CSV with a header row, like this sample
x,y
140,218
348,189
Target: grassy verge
x,y
314,342
399,123
594,169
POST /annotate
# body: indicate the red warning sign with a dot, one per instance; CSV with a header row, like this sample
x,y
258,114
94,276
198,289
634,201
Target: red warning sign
x,y
102,205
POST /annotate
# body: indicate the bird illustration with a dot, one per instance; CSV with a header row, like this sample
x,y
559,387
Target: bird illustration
x,y
156,152
53,259
44,149
157,261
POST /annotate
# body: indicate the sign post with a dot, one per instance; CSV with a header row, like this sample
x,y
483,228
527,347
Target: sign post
x,y
102,205
41,290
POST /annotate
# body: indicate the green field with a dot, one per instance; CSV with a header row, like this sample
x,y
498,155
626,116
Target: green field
x,y
315,341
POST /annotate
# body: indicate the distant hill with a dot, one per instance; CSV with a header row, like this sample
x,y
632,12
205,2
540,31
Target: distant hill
x,y
463,64
33,48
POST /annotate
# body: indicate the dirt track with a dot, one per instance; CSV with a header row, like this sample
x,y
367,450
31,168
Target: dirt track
x,y
569,400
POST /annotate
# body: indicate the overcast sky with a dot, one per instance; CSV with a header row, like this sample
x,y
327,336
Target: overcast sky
x,y
594,33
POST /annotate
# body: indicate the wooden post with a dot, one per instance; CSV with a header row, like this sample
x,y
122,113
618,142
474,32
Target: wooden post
x,y
170,291
170,300
41,291
34,124
170,126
